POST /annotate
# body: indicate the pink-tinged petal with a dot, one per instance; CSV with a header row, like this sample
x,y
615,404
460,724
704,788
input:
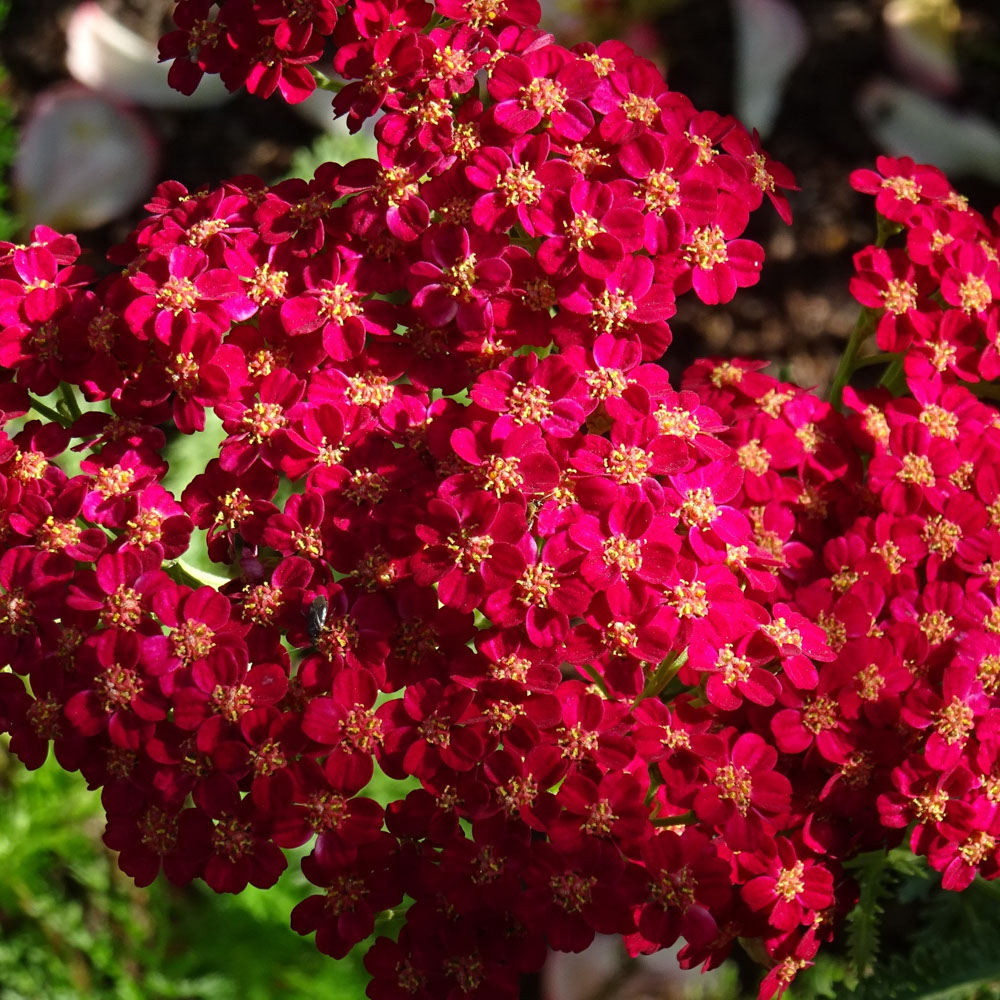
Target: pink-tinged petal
x,y
190,708
786,914
545,626
602,256
494,271
41,304
268,683
301,315
745,260
126,731
209,606
626,225
553,254
790,734
140,312
409,220
342,343
571,597
218,283
771,791
489,209
721,694
322,721
85,713
438,306
575,122
818,891
957,876
715,286
186,261
761,687
461,591
759,893
487,166
801,671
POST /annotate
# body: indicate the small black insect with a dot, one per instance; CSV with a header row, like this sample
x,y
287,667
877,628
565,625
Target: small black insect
x,y
316,618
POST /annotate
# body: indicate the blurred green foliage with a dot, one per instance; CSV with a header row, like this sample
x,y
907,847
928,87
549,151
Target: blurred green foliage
x,y
73,927
337,145
8,145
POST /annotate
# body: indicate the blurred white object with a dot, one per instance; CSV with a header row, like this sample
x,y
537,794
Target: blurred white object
x,y
921,36
103,54
82,160
582,975
906,123
770,40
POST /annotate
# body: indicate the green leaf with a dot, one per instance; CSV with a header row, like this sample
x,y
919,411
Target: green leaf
x,y
873,873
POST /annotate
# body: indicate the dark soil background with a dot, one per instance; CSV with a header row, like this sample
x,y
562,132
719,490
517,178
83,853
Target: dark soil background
x,y
800,313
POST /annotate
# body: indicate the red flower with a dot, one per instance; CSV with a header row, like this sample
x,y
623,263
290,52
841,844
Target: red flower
x,y
178,289
236,850
799,642
889,281
548,84
492,14
719,264
334,303
459,536
348,727
360,882
900,185
745,791
457,278
539,589
428,727
589,227
574,894
791,890
546,393
119,697
514,183
688,882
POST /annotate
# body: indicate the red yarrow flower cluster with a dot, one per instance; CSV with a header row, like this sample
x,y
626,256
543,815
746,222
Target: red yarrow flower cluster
x,y
660,660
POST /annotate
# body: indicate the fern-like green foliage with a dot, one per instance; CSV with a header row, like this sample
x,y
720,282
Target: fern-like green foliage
x,y
957,967
873,873
947,943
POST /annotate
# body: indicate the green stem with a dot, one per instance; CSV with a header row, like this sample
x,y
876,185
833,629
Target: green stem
x,y
596,680
662,676
886,230
46,411
655,782
70,401
684,819
848,360
849,363
882,358
895,378
323,82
